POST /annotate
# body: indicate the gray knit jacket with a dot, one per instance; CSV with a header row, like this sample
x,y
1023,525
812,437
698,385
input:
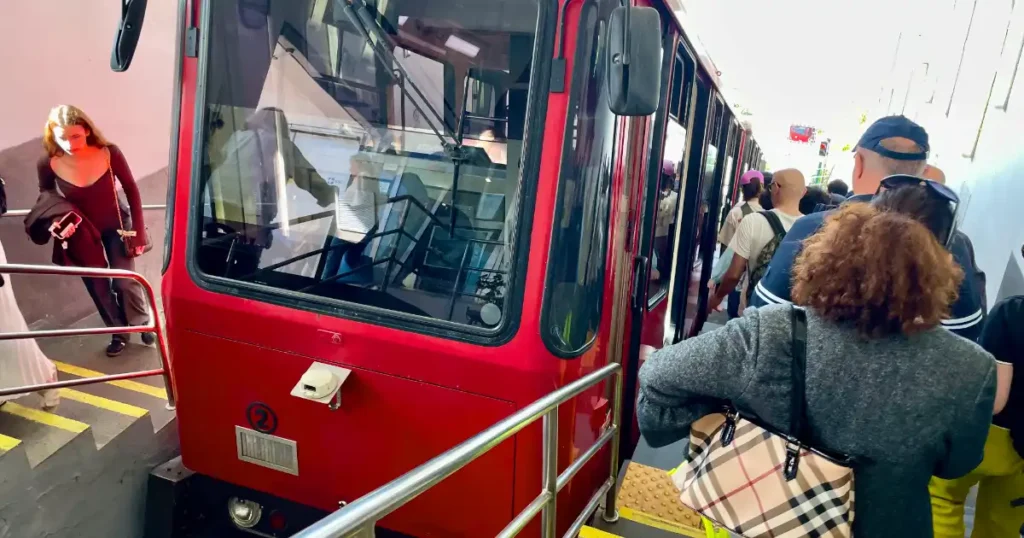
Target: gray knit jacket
x,y
906,407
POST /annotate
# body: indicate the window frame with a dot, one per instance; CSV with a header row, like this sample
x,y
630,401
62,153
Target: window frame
x,y
529,172
683,59
566,167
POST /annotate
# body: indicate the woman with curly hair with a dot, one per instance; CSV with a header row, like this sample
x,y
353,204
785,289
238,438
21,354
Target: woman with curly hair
x,y
885,383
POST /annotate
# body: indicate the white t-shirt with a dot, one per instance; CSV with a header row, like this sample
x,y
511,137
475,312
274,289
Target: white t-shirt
x,y
732,221
754,233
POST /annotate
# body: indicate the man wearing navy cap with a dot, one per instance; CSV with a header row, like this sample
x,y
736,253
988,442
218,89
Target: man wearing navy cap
x,y
892,146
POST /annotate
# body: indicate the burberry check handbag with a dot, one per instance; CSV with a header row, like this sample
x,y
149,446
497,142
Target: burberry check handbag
x,y
755,481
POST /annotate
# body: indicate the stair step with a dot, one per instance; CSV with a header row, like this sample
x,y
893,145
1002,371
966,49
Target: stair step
x,y
106,417
86,357
8,444
128,396
593,532
43,433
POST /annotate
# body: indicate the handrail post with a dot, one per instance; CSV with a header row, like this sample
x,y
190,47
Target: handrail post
x,y
155,326
611,514
550,478
161,340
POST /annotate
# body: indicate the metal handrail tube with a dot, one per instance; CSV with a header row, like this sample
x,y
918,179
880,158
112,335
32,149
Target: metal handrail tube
x,y
386,499
595,501
523,519
571,470
85,331
25,212
155,325
28,389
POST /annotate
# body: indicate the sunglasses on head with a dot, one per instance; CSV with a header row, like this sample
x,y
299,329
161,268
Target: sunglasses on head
x,y
935,189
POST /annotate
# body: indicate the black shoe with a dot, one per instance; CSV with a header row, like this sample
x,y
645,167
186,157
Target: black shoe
x,y
116,347
149,338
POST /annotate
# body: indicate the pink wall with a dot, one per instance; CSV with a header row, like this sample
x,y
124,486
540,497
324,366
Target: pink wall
x,y
58,51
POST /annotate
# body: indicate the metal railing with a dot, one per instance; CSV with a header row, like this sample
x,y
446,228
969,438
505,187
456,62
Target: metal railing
x,y
25,212
155,325
359,517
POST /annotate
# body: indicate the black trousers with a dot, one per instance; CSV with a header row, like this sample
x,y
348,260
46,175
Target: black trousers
x,y
119,301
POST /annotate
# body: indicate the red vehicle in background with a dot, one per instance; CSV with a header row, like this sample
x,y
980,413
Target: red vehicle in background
x,y
801,133
393,223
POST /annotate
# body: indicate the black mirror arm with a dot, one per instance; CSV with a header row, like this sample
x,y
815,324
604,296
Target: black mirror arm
x,y
626,35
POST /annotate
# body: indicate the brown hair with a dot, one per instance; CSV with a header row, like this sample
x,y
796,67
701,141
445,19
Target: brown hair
x,y
881,271
751,190
65,116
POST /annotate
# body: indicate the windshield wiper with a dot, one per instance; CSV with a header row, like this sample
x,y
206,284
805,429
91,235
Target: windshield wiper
x,y
382,45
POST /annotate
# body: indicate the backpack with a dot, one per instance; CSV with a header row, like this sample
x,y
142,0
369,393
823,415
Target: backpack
x,y
760,264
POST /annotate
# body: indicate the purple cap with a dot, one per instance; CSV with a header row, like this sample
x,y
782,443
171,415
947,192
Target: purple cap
x,y
751,174
668,168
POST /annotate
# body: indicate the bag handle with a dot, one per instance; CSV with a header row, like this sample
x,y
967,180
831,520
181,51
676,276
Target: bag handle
x,y
798,398
117,203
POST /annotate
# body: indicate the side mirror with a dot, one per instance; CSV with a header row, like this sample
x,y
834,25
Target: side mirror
x,y
127,36
634,70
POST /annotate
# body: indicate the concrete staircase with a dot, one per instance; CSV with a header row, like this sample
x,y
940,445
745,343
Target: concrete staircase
x,y
80,470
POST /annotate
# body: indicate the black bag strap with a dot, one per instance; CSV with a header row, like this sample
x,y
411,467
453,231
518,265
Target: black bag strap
x,y
774,222
798,397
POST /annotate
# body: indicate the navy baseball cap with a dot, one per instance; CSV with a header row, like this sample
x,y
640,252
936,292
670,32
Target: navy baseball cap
x,y
895,127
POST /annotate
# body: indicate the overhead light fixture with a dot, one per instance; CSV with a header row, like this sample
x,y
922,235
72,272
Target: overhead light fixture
x,y
462,46
402,19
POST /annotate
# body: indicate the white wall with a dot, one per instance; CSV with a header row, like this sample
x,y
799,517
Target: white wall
x,y
991,181
58,51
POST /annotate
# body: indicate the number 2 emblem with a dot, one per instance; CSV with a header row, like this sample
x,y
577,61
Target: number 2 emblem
x,y
261,417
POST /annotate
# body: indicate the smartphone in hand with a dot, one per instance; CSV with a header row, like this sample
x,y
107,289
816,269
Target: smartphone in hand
x,y
65,226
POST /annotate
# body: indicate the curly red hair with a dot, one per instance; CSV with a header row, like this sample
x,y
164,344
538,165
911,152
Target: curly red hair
x,y
880,270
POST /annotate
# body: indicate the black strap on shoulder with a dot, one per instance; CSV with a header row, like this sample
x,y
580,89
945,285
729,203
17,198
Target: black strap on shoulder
x,y
798,398
774,222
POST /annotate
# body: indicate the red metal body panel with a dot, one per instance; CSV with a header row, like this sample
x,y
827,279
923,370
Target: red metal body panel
x,y
385,426
411,396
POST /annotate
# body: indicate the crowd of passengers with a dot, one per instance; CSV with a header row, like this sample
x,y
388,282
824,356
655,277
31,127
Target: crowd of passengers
x,y
906,372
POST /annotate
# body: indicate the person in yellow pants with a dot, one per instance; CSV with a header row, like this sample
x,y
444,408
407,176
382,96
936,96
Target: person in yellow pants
x,y
999,512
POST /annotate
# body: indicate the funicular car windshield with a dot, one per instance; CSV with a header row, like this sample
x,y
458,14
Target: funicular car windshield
x,y
343,140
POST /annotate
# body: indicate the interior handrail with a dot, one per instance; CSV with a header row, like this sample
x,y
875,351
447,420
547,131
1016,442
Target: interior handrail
x,y
155,325
362,514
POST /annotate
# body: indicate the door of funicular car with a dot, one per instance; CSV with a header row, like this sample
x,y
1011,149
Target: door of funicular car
x,y
687,180
478,285
684,171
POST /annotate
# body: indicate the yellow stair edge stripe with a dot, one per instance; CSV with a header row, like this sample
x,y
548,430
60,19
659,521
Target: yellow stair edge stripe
x,y
591,532
43,417
8,443
103,403
149,390
658,523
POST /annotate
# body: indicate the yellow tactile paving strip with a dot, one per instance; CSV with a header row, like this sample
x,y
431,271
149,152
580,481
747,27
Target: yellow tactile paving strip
x,y
648,496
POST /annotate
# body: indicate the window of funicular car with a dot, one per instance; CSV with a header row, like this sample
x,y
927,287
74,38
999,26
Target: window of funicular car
x,y
327,172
